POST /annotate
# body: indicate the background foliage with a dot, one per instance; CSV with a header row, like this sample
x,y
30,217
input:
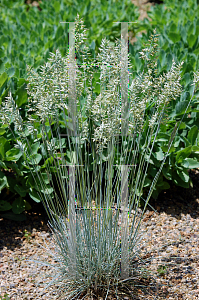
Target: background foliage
x,y
29,34
36,32
177,22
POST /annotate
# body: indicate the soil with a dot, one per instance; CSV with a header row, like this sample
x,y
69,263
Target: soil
x,y
174,205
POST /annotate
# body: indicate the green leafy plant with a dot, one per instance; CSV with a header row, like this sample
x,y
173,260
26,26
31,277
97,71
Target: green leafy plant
x,y
162,270
17,186
177,24
27,235
5,297
36,33
96,232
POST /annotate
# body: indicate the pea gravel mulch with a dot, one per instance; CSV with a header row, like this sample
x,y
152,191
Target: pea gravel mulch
x,y
172,240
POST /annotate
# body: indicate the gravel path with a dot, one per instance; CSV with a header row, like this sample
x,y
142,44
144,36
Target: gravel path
x,y
171,238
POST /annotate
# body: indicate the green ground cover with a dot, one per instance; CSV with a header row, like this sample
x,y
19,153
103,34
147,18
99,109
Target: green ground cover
x,y
28,35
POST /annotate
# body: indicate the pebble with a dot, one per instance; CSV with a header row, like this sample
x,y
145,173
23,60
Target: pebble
x,y
23,275
171,238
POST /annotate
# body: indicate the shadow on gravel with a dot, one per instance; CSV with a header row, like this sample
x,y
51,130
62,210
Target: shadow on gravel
x,y
178,200
174,202
13,233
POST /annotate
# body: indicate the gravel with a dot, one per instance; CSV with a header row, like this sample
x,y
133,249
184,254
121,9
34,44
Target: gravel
x,y
171,242
170,238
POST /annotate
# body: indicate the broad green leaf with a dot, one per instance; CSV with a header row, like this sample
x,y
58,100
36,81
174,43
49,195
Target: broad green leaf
x,y
4,146
34,148
20,190
192,135
182,154
165,148
38,63
162,137
47,190
197,30
3,165
23,17
27,205
190,29
45,177
169,61
190,163
48,162
34,195
49,44
53,169
149,159
155,193
176,141
72,157
2,131
138,62
162,57
164,185
2,69
196,51
92,46
181,107
97,88
167,172
153,171
173,27
147,182
59,34
11,72
18,206
21,81
56,6
191,39
184,139
184,175
182,125
13,154
21,94
184,34
3,79
4,205
34,159
96,76
174,36
4,94
159,155
178,181
187,79
195,149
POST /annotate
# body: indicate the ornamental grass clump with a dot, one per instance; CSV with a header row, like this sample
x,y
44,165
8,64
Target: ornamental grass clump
x,y
98,112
